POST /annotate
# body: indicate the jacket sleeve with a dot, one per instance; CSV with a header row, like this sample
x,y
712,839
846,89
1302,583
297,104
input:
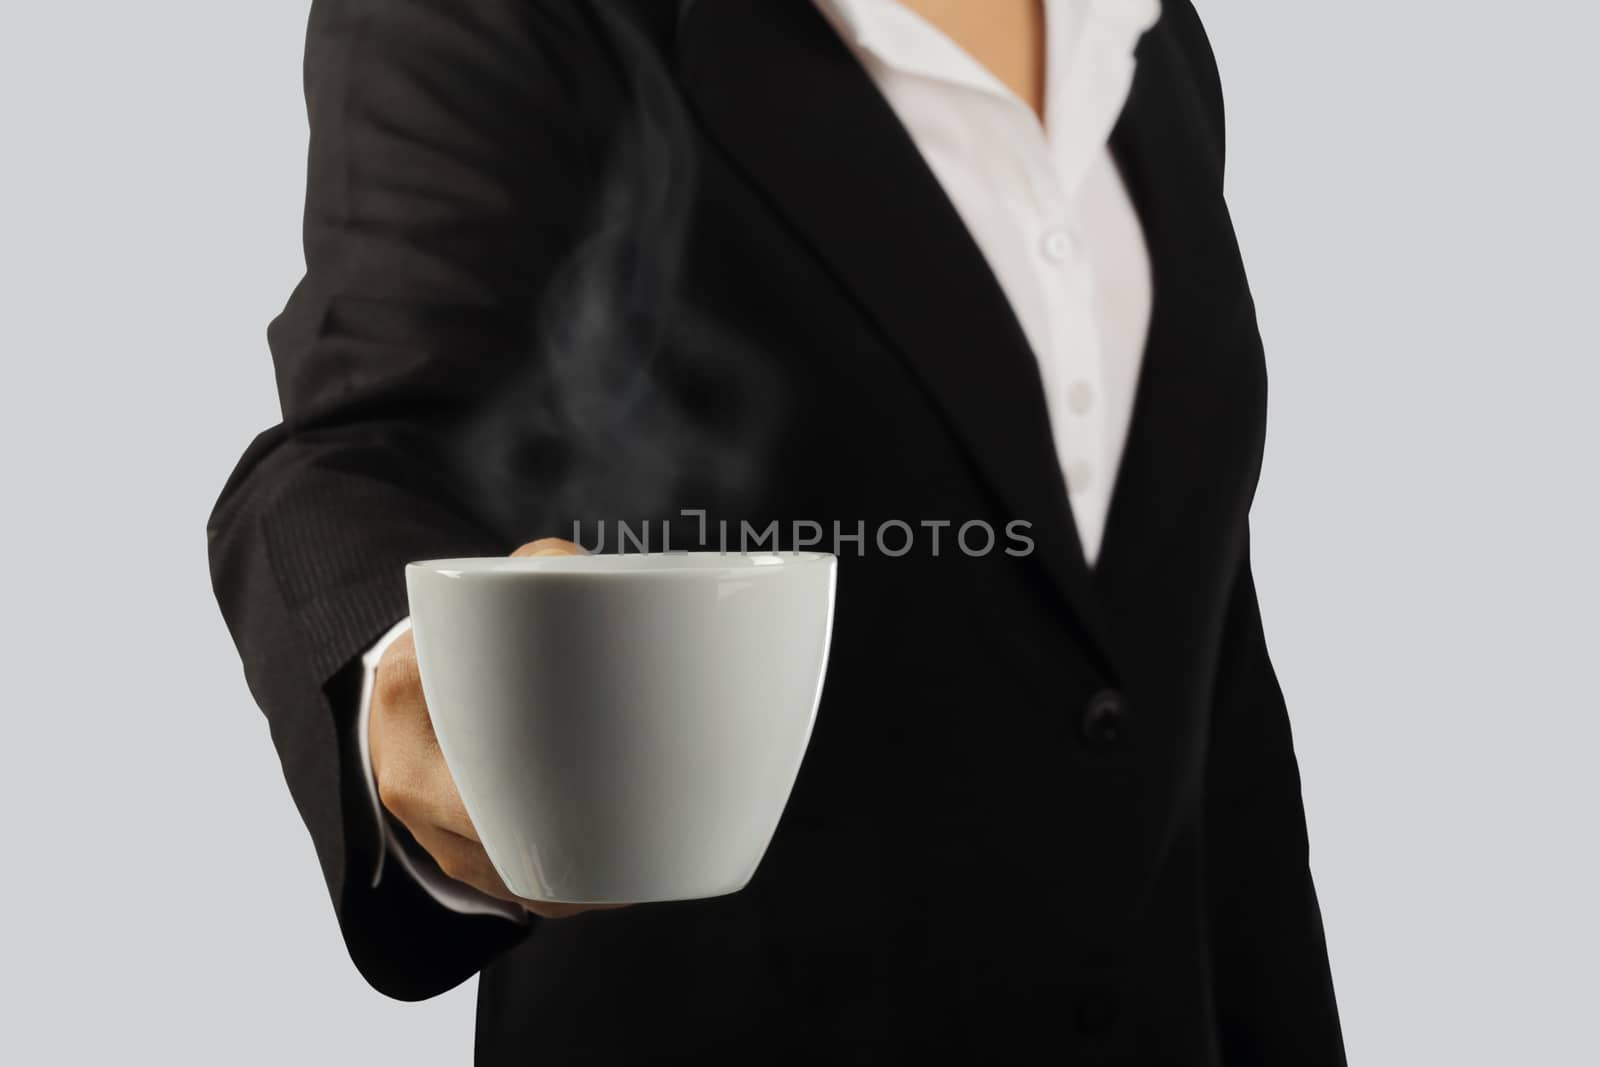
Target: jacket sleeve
x,y
1274,992
444,169
1273,988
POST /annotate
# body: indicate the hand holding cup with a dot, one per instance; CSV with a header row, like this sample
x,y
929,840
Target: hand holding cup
x,y
414,784
584,730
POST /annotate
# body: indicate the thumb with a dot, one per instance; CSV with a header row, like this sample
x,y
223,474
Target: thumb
x,y
549,546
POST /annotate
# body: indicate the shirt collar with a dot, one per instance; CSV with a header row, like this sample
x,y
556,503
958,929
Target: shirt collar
x,y
901,39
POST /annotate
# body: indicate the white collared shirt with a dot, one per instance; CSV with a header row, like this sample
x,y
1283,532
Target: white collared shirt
x,y
1044,202
1047,208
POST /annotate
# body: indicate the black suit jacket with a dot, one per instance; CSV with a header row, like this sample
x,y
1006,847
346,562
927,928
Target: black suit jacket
x,y
589,260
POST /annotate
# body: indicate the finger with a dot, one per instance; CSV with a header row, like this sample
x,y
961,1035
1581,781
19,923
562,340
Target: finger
x,y
448,811
406,762
465,861
462,860
398,678
549,546
452,829
414,782
553,910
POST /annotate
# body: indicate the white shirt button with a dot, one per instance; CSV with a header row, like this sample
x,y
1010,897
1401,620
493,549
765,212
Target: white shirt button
x,y
1056,245
1080,475
1080,397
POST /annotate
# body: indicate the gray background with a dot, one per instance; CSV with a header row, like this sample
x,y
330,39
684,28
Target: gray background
x,y
1413,184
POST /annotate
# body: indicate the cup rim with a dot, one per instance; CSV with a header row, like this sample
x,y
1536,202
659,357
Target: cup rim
x,y
745,564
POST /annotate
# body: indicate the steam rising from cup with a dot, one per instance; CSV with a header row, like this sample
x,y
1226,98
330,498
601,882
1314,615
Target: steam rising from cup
x,y
591,415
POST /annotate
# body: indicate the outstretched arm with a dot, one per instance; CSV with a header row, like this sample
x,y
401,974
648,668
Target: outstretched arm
x,y
447,179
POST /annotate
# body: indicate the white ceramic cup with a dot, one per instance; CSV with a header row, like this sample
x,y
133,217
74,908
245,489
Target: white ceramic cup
x,y
624,728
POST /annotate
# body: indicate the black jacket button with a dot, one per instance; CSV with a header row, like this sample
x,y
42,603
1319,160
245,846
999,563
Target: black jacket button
x,y
1105,719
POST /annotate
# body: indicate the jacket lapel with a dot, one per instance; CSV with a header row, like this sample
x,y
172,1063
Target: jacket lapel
x,y
1199,409
786,100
